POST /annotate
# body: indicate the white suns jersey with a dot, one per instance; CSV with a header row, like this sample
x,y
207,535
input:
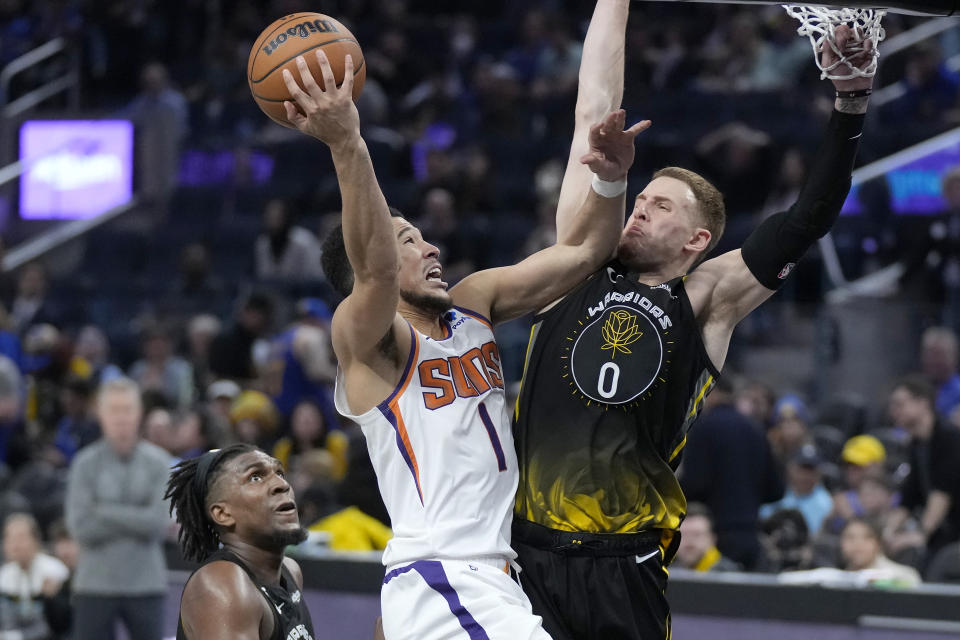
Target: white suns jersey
x,y
442,447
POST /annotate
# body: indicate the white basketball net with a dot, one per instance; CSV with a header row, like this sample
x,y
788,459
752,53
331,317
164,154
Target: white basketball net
x,y
820,25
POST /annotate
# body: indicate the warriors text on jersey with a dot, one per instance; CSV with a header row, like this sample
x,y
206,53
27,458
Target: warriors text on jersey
x,y
442,448
615,375
291,619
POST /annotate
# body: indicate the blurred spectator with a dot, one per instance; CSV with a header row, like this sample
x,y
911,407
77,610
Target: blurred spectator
x,y
194,434
728,466
932,91
862,458
938,361
309,431
303,363
116,511
201,331
220,397
698,544
78,427
30,304
350,529
932,490
786,542
91,351
160,370
790,430
57,607
805,492
862,550
196,288
755,399
231,352
284,251
158,429
457,245
161,117
15,448
254,418
27,578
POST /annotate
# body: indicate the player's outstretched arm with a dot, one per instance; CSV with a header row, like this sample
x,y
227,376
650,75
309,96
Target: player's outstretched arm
x,y
599,91
329,115
725,289
220,603
510,292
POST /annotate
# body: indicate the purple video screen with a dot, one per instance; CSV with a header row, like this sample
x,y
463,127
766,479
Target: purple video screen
x,y
915,185
75,168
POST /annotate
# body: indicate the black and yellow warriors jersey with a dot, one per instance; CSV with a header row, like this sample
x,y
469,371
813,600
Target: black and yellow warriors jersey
x,y
615,375
291,619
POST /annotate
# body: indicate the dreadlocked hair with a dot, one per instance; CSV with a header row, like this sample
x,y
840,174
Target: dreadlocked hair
x,y
198,535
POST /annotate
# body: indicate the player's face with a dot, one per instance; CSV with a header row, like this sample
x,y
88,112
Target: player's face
x,y
661,224
421,285
258,504
859,546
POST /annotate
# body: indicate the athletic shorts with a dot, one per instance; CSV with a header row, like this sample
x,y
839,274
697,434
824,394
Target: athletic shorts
x,y
456,599
597,586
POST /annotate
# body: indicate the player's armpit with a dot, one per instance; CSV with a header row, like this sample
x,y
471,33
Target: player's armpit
x,y
722,292
221,603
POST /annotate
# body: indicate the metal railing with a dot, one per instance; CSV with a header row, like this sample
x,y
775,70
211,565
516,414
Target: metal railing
x,y
69,81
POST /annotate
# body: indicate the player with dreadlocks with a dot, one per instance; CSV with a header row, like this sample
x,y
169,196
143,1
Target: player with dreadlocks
x,y
237,515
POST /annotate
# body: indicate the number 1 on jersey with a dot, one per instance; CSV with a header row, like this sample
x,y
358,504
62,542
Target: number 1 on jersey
x,y
494,438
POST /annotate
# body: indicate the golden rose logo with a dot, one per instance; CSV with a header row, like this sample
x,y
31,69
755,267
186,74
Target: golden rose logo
x,y
619,331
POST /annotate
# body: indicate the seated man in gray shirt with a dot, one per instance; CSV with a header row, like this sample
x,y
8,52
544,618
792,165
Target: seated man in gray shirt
x,y
116,511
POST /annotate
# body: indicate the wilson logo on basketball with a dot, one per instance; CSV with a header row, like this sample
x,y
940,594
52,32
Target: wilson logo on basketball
x,y
468,376
301,30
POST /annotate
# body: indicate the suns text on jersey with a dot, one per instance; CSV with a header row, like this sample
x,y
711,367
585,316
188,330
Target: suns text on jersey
x,y
466,376
636,300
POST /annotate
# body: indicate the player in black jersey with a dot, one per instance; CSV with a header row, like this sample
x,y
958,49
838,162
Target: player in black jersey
x,y
238,497
617,370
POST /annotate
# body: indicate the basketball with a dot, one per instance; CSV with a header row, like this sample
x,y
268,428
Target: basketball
x,y
294,35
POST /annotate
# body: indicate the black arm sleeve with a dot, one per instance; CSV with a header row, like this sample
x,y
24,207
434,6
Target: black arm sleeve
x,y
775,246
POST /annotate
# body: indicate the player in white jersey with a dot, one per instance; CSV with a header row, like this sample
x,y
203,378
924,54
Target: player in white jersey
x,y
420,371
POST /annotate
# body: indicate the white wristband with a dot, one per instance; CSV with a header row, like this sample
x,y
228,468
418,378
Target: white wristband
x,y
608,189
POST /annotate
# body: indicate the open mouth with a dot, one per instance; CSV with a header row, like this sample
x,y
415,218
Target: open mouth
x,y
434,274
287,507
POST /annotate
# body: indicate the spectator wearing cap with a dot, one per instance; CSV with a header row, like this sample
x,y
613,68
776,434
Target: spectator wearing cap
x,y
863,457
302,362
698,544
729,467
938,361
791,427
805,492
931,492
254,418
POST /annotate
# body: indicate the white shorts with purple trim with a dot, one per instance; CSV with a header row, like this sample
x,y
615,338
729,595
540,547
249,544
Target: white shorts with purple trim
x,y
456,599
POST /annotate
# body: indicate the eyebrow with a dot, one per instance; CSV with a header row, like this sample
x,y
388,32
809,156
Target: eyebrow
x,y
655,198
404,230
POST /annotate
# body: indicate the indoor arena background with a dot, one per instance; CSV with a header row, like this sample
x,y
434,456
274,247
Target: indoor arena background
x,y
191,280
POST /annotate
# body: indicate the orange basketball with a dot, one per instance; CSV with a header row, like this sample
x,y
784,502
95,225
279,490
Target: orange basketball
x,y
277,49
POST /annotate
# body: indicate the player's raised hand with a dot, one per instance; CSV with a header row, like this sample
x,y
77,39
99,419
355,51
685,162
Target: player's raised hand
x,y
327,113
862,54
611,146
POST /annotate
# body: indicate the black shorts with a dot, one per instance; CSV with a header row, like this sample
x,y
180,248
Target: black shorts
x,y
597,586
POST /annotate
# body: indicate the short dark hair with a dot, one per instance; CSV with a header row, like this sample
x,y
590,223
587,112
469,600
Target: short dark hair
x,y
709,202
334,260
917,386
